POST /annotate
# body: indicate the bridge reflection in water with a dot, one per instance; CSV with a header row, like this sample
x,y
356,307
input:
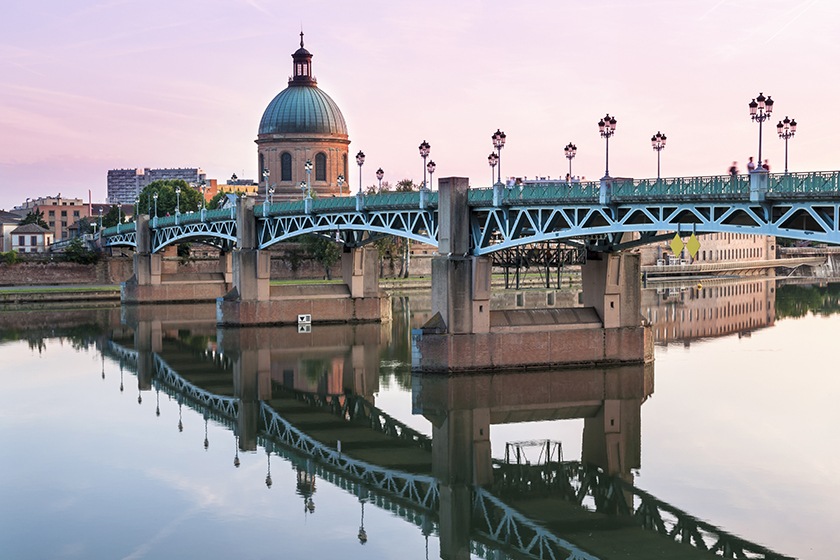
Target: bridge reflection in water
x,y
310,399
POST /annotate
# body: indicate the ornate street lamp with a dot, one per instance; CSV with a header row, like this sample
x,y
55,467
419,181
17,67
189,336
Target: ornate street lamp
x,y
657,141
425,148
155,196
499,143
308,167
760,109
266,173
340,181
492,159
303,189
430,167
606,127
786,130
360,159
100,216
271,195
379,175
571,151
177,201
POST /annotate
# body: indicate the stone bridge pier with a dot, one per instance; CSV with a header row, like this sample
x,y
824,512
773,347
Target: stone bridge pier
x,y
153,283
465,334
253,301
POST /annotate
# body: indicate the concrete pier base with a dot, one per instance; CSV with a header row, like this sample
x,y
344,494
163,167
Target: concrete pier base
x,y
465,335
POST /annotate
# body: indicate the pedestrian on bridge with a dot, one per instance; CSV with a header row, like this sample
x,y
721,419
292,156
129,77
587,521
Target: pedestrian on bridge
x,y
750,165
733,170
766,165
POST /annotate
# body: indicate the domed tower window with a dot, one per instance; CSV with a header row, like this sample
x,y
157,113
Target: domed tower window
x,y
286,166
320,167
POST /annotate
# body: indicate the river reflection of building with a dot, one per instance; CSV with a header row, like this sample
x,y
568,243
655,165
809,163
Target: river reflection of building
x,y
682,312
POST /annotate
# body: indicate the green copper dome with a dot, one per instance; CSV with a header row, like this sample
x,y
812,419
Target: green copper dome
x,y
303,109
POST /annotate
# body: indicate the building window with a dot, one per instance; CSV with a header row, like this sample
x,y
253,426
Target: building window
x,y
33,240
285,166
320,167
21,240
64,213
75,213
52,213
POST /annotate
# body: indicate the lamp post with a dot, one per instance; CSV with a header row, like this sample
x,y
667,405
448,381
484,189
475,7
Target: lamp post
x,y
379,175
100,220
360,159
155,196
266,173
303,189
308,167
177,201
657,141
430,167
271,195
425,148
119,215
786,130
492,159
606,127
340,181
760,109
571,151
203,186
499,143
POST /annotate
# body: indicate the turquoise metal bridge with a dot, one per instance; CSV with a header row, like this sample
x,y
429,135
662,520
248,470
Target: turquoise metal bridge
x,y
597,215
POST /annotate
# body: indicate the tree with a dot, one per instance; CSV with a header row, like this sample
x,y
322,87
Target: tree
x,y
190,197
217,199
112,217
35,217
77,252
406,185
325,251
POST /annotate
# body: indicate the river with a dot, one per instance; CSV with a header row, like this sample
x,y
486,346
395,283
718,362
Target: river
x,y
737,428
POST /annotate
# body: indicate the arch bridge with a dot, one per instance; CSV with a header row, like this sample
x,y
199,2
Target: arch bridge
x,y
598,214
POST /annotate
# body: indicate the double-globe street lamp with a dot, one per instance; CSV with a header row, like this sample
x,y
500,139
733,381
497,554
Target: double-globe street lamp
x,y
340,181
657,142
379,175
786,130
177,201
570,150
425,148
430,167
155,196
360,160
760,109
493,159
308,167
606,127
499,143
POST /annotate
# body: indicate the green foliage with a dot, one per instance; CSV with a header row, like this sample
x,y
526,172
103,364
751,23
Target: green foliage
x,y
184,250
217,199
190,198
406,185
36,217
77,252
324,251
112,217
10,257
797,301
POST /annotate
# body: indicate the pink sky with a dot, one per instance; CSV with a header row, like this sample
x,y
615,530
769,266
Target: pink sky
x,y
90,86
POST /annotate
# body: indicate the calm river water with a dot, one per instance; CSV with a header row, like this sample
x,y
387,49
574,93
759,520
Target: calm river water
x,y
739,431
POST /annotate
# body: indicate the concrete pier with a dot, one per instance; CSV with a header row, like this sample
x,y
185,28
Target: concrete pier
x,y
252,301
149,284
464,334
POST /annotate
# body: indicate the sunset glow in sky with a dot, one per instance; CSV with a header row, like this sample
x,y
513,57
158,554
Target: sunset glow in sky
x,y
89,86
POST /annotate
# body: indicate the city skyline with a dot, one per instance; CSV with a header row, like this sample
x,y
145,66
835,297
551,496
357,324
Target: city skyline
x,y
100,86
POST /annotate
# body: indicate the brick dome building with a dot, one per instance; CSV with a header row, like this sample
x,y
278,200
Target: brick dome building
x,y
302,124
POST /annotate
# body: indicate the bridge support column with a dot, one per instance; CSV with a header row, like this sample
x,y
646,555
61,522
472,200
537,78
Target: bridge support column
x,y
460,282
612,284
758,185
251,383
148,340
464,334
358,270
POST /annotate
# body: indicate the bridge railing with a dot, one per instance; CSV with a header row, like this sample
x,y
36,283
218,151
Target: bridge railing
x,y
716,187
122,228
807,184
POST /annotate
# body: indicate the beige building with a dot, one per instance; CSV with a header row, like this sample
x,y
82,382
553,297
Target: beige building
x,y
714,247
302,124
59,213
31,238
8,222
